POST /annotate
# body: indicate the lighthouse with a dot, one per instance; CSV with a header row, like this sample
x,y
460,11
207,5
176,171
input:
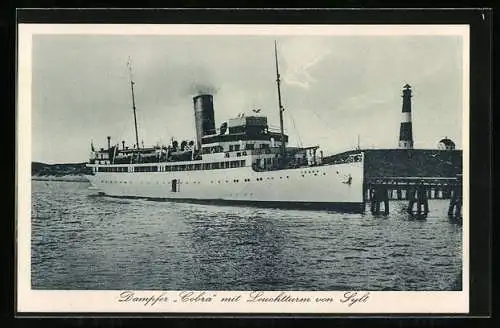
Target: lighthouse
x,y
405,131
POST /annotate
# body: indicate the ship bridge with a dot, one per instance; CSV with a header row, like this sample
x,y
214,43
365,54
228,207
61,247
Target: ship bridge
x,y
243,134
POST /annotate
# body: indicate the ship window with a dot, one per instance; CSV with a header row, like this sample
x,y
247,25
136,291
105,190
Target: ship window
x,y
238,154
231,147
226,165
242,162
197,166
232,164
206,166
236,147
226,155
215,165
154,168
249,146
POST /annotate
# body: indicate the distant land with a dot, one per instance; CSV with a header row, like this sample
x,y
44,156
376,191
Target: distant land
x,y
58,172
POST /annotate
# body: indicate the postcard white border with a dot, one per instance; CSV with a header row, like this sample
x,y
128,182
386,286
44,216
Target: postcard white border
x,y
29,300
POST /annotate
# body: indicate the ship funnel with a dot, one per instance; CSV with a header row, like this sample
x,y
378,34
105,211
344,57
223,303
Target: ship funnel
x,y
204,116
109,142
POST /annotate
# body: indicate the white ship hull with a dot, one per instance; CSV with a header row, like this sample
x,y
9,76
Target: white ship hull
x,y
324,186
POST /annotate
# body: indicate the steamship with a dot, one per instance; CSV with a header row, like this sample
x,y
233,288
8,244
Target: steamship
x,y
244,161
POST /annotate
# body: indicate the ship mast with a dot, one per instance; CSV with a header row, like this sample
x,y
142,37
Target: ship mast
x,y
129,64
281,109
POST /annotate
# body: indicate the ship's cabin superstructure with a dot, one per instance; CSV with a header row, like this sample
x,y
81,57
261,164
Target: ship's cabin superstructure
x,y
240,141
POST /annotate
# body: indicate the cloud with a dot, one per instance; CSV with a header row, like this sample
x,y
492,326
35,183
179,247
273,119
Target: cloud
x,y
300,59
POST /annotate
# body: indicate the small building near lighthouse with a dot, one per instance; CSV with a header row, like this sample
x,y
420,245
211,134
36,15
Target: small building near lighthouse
x,y
446,144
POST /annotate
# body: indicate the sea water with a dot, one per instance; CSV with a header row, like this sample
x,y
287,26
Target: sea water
x,y
81,240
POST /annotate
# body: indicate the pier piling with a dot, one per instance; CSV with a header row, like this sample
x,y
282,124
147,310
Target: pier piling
x,y
418,195
416,191
455,208
380,194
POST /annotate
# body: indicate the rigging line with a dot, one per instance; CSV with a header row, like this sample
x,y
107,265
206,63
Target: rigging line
x,y
295,128
328,128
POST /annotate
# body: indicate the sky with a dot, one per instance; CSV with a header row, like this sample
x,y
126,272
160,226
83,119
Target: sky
x,y
334,88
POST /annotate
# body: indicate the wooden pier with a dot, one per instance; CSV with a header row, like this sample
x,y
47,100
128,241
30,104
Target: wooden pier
x,y
416,190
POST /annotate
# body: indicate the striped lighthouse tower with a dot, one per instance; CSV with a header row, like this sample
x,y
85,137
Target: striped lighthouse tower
x,y
405,131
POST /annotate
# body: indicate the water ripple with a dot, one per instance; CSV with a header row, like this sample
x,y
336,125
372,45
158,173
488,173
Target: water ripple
x,y
81,240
